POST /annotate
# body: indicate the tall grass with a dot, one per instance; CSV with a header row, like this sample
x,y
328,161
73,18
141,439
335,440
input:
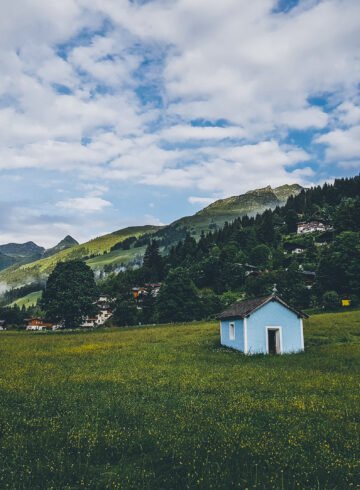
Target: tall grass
x,y
169,408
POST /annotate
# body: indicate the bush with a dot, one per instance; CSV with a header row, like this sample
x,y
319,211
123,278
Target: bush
x,y
331,300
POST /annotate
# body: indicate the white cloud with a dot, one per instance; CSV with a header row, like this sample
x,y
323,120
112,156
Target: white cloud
x,y
185,133
349,113
76,96
204,201
149,219
236,169
342,144
88,204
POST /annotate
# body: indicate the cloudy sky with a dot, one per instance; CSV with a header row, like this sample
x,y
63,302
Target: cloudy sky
x,y
120,112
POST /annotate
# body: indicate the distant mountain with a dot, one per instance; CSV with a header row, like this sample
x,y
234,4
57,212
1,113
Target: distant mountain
x,y
65,243
6,261
27,249
92,251
19,253
250,203
100,255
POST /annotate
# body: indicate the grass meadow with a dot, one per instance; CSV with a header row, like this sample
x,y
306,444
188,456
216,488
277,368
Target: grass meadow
x,y
28,300
167,408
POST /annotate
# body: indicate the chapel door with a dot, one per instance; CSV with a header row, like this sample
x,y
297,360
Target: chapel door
x,y
273,341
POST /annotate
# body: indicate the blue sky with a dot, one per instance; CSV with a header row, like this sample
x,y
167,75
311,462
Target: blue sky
x,y
117,113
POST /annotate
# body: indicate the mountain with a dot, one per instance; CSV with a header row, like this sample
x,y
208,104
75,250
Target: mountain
x,y
6,261
217,213
100,257
27,249
251,202
65,243
19,253
95,252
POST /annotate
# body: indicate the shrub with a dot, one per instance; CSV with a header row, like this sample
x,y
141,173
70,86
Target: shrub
x,y
331,300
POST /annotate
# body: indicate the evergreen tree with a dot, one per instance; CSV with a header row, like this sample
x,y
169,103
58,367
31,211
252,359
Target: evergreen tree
x,y
339,267
266,231
125,311
153,266
178,299
260,256
291,220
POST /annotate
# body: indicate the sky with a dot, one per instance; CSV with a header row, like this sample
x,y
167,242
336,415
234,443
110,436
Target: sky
x,y
119,112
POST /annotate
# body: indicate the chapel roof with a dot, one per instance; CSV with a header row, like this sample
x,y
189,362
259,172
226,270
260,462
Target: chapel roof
x,y
244,308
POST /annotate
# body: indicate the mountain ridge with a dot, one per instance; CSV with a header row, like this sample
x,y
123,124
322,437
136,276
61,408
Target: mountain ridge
x,y
21,249
253,200
99,254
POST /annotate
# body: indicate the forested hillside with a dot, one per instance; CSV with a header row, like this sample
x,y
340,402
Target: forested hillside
x,y
248,256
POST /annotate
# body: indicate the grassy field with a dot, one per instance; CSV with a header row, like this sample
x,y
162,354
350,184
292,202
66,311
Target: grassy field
x,y
28,300
115,257
167,408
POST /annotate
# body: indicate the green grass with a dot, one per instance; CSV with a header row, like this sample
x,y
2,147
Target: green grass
x,y
28,300
115,257
168,408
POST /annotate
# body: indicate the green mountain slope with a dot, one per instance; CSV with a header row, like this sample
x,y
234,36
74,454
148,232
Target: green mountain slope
x,y
28,300
250,203
22,274
6,261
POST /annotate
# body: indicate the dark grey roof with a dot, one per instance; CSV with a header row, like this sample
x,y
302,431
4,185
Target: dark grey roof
x,y
242,309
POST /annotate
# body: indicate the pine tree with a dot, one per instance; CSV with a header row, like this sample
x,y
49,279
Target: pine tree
x,y
153,266
178,299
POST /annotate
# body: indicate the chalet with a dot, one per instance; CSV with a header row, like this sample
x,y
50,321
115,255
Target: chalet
x,y
104,313
265,325
152,288
311,227
38,324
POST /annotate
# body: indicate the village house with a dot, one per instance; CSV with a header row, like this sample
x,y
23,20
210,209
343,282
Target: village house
x,y
298,250
152,288
38,324
104,313
311,227
265,325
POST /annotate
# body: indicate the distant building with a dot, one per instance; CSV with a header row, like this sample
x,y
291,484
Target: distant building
x,y
2,325
139,292
298,250
104,313
38,324
311,227
265,325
